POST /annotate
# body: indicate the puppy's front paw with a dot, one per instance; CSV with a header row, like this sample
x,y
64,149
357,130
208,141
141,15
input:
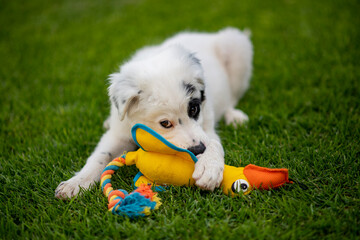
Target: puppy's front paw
x,y
70,188
208,174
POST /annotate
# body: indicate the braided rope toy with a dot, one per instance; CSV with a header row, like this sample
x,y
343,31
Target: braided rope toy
x,y
138,203
163,163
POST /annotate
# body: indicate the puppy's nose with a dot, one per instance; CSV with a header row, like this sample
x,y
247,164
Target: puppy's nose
x,y
198,149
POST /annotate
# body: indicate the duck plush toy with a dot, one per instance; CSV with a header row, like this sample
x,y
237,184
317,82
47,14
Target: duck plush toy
x,y
161,163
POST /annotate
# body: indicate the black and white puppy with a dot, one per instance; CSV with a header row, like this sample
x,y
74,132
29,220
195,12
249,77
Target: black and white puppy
x,y
180,89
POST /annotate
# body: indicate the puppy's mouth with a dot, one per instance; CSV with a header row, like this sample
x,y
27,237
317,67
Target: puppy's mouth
x,y
198,149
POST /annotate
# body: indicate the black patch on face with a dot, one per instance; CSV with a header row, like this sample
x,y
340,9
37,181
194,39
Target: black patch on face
x,y
180,122
189,88
194,108
202,98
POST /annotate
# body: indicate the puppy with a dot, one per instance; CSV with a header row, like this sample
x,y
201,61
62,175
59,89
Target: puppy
x,y
180,89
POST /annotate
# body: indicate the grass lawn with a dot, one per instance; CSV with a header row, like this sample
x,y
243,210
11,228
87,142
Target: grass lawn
x,y
303,104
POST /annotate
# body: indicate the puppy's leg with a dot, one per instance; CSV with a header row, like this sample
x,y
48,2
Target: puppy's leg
x,y
209,169
109,147
235,52
235,117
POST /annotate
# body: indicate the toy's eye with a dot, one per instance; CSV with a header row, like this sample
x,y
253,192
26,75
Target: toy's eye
x,y
240,185
166,124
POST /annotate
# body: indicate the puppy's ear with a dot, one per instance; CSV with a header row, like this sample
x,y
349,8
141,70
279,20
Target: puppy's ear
x,y
130,104
124,94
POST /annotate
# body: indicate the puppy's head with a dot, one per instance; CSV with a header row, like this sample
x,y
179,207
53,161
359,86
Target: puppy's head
x,y
166,92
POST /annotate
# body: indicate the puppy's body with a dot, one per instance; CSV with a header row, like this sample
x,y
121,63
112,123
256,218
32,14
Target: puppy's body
x,y
180,89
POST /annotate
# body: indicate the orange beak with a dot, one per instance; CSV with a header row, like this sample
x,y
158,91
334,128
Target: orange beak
x,y
266,178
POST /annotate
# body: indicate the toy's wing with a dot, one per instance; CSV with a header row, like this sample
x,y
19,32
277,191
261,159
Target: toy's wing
x,y
150,141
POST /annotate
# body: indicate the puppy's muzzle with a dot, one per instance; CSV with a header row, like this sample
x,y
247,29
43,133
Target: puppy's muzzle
x,y
198,149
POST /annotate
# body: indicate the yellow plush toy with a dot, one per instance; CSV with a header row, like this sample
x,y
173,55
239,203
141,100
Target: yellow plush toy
x,y
161,163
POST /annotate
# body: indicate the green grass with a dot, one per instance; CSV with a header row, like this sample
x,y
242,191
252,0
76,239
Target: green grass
x,y
303,106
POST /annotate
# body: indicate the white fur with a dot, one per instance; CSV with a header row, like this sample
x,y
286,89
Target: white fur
x,y
150,88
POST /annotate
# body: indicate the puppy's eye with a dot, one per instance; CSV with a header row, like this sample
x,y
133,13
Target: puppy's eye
x,y
166,124
194,108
